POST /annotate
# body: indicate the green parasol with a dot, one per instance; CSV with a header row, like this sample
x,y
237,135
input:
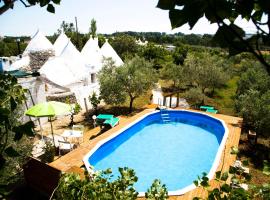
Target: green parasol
x,y
48,109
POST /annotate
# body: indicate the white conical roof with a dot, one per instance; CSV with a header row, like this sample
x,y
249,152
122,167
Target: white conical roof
x,y
60,43
108,52
38,43
67,68
92,54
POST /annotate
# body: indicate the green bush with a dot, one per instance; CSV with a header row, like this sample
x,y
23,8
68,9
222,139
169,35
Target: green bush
x,y
102,185
49,152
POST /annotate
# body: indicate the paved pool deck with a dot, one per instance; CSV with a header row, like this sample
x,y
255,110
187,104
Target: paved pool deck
x,y
72,161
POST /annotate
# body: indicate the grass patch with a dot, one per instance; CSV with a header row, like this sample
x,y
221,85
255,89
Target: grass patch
x,y
224,97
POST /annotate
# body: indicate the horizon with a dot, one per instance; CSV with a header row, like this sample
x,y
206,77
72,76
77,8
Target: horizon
x,y
143,17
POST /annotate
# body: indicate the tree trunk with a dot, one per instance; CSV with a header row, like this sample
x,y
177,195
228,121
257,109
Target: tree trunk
x,y
131,103
71,120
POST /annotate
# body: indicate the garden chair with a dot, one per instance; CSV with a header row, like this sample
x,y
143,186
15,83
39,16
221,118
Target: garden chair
x,y
79,128
65,146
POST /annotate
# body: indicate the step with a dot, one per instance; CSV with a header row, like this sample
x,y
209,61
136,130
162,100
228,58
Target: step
x,y
164,114
165,117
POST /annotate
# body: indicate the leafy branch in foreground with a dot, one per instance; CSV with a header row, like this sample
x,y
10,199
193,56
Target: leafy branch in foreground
x,y
9,4
224,13
12,97
102,185
237,177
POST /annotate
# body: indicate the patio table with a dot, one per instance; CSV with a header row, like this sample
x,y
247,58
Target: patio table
x,y
72,135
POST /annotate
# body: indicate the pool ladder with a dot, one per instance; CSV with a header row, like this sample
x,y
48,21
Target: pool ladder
x,y
165,115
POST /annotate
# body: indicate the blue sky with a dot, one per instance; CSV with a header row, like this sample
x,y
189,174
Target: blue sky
x,y
111,16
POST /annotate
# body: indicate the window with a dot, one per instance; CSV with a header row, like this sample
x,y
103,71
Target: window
x,y
93,78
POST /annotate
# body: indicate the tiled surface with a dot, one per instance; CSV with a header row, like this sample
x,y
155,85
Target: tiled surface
x,y
74,158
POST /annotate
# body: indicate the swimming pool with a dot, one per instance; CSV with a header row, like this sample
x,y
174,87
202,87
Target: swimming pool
x,y
175,152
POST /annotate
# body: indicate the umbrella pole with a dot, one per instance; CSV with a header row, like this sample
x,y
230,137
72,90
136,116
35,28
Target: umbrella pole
x,y
41,130
52,131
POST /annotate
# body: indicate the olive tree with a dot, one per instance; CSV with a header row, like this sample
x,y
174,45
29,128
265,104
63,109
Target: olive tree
x,y
253,99
174,73
110,87
136,77
125,45
205,71
131,80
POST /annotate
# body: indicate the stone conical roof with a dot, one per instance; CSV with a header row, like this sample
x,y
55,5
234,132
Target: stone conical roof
x,y
108,52
60,43
38,43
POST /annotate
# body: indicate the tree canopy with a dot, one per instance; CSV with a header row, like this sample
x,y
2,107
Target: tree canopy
x,y
224,13
93,28
124,45
131,80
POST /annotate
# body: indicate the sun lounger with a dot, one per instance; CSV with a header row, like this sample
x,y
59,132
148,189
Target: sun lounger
x,y
212,111
112,122
104,116
206,107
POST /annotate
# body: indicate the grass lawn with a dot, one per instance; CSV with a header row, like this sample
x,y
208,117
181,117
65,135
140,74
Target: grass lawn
x,y
223,98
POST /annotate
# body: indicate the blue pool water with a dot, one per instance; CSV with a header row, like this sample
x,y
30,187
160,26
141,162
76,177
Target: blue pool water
x,y
175,152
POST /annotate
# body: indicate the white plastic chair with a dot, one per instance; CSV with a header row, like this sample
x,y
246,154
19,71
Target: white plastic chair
x,y
65,146
79,128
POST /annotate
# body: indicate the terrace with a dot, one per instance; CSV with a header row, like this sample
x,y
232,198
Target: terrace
x,y
73,161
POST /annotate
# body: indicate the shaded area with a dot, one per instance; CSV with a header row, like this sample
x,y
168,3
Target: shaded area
x,y
255,154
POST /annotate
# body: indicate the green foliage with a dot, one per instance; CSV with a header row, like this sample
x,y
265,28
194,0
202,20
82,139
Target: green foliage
x,y
234,150
157,191
255,109
110,88
103,185
12,97
75,109
10,47
261,192
266,167
49,152
15,147
99,186
124,45
95,100
218,11
255,78
93,28
78,39
131,80
156,54
49,4
179,55
68,28
225,191
252,99
174,73
205,70
10,173
195,97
